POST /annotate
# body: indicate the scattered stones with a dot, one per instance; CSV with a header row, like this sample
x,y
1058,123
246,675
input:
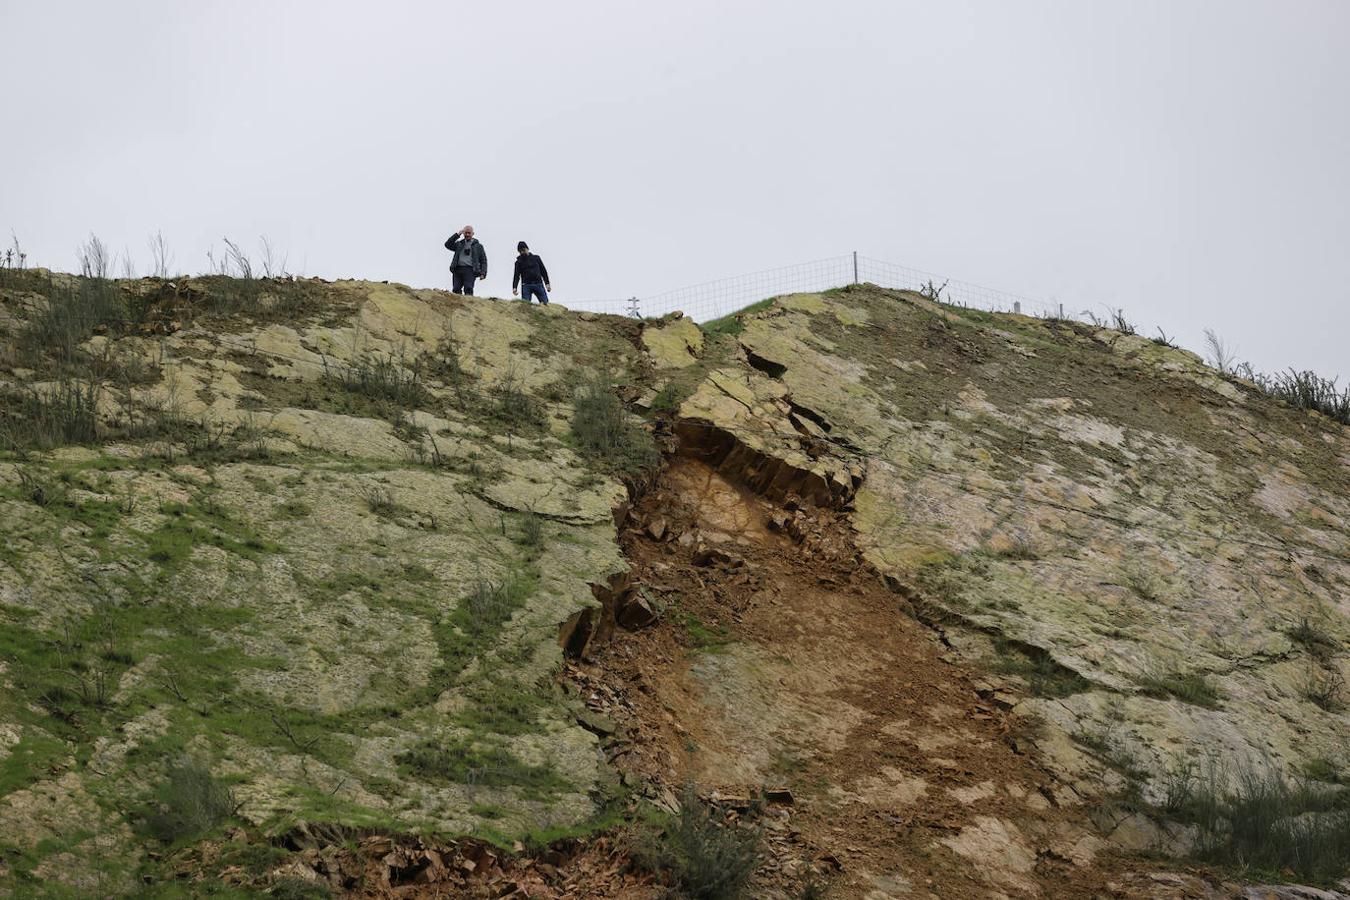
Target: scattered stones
x,y
715,556
637,610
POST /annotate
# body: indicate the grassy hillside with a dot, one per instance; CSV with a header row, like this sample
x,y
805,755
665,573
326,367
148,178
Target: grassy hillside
x,y
279,552
294,557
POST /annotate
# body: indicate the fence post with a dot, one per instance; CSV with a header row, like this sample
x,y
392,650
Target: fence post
x,y
855,266
633,310
1061,310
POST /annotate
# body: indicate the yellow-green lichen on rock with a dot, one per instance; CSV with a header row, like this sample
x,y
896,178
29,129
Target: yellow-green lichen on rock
x,y
1153,529
673,344
325,558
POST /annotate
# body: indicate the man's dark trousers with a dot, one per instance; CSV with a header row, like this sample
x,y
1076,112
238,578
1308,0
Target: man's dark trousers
x,y
462,279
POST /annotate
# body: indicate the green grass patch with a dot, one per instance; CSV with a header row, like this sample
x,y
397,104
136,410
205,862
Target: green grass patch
x,y
705,638
29,759
187,526
503,706
292,509
607,436
1188,687
733,323
460,761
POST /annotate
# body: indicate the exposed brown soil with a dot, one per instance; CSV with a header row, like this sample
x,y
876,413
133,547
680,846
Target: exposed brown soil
x,y
382,867
782,662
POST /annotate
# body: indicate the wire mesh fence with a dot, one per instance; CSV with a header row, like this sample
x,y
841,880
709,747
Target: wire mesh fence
x,y
710,300
963,293
714,299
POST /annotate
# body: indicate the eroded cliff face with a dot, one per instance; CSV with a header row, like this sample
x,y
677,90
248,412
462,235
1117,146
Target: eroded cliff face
x,y
334,543
1169,546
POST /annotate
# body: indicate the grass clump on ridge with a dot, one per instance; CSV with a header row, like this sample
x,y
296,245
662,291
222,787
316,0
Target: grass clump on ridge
x,y
1314,637
1305,390
607,436
1188,687
733,323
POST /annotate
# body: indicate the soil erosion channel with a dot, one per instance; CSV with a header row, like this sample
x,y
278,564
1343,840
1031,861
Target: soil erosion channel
x,y
783,662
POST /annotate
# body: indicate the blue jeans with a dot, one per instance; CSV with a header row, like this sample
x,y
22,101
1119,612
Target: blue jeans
x,y
537,289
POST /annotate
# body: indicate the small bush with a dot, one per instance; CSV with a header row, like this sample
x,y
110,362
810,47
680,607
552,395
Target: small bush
x,y
487,605
73,313
1260,819
65,414
514,408
190,803
933,291
1314,638
1162,340
380,378
702,857
1219,353
1306,390
606,435
379,500
532,531
1019,549
668,399
292,509
295,888
37,491
1324,687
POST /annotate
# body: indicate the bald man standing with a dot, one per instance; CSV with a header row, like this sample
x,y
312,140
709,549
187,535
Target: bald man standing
x,y
468,260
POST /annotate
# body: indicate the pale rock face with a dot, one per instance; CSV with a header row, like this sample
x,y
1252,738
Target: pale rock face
x,y
999,847
299,603
1140,519
673,345
299,585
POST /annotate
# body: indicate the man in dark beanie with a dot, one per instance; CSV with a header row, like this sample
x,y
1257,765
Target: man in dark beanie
x,y
530,275
468,260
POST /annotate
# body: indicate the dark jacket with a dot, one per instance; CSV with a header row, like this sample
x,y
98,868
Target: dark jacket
x,y
529,270
453,242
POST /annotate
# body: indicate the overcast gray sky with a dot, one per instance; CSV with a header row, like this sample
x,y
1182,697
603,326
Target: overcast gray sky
x,y
1188,161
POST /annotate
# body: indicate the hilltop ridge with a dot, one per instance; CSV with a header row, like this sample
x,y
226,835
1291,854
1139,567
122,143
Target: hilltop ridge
x,y
980,600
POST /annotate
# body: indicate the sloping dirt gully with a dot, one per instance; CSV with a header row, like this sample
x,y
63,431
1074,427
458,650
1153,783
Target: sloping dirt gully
x,y
785,680
750,652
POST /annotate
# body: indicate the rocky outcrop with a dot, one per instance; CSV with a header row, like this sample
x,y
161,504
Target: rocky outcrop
x,y
1172,540
324,558
332,542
